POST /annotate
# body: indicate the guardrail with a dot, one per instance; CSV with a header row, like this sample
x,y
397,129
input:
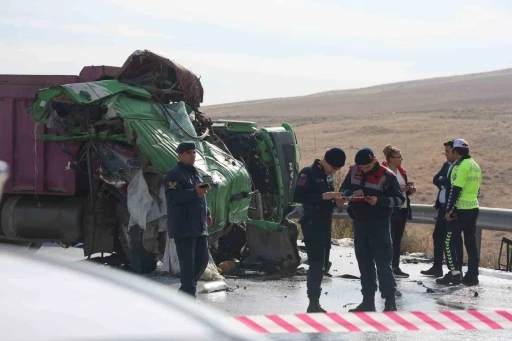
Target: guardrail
x,y
495,219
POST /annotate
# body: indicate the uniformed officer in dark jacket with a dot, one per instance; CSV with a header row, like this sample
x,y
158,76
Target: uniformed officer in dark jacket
x,y
188,217
371,219
315,191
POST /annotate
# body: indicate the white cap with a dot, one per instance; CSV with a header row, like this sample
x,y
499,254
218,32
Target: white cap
x,y
460,143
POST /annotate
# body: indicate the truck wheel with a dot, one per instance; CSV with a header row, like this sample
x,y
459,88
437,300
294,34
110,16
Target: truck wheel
x,y
141,260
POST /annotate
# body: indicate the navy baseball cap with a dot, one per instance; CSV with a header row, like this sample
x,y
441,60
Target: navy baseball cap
x,y
364,156
335,157
185,146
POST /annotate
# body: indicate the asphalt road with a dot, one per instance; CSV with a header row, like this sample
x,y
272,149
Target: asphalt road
x,y
260,295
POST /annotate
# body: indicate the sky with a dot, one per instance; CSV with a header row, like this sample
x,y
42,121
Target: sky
x,y
247,50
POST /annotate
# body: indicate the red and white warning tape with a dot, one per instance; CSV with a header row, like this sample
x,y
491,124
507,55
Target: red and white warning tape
x,y
443,320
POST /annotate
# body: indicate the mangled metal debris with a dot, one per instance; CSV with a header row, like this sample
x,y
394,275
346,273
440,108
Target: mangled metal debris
x,y
121,134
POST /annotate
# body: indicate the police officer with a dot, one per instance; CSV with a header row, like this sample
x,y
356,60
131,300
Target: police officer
x,y
315,191
188,217
442,181
462,210
371,219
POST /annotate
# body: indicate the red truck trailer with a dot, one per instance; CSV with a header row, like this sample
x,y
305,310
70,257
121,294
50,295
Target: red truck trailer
x,y
37,176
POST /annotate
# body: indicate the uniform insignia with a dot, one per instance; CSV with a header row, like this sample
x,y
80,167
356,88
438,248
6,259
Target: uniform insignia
x,y
172,185
303,179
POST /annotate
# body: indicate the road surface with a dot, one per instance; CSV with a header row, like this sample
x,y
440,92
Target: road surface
x,y
260,295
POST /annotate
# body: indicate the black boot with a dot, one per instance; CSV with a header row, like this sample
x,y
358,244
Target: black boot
x,y
314,306
327,268
433,271
470,280
398,273
449,278
368,304
390,303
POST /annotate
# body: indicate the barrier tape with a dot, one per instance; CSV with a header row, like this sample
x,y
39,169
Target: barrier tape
x,y
443,320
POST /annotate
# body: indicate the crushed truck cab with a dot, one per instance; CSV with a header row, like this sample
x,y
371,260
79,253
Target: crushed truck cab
x,y
120,134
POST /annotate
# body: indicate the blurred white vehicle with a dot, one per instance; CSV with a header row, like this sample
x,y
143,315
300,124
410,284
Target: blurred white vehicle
x,y
46,299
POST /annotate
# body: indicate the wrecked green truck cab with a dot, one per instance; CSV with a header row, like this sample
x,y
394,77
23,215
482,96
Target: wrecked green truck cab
x,y
122,134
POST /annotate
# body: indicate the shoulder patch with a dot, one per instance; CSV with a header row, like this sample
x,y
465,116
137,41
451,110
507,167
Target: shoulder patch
x,y
304,176
172,185
387,172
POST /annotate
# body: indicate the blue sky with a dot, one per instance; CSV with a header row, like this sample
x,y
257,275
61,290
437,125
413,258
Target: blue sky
x,y
246,50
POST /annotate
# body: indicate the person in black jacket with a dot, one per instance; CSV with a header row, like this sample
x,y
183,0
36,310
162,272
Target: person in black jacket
x,y
315,191
188,217
371,218
442,181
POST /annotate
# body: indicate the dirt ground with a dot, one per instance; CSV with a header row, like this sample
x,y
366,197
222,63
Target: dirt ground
x,y
417,117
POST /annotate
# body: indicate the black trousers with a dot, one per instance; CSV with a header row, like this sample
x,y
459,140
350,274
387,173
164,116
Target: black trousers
x,y
193,258
373,247
317,237
398,221
439,238
464,223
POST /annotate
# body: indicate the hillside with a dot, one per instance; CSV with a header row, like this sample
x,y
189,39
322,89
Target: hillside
x,y
489,92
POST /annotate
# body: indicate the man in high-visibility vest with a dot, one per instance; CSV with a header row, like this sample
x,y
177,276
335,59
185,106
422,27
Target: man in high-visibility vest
x,y
462,209
442,182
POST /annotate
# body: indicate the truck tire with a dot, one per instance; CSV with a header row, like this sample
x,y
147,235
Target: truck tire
x,y
141,260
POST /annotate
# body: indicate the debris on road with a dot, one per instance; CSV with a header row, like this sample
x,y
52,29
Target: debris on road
x,y
415,258
347,276
209,287
345,242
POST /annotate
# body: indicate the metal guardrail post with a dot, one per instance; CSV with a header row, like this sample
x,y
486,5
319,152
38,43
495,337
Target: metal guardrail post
x,y
478,239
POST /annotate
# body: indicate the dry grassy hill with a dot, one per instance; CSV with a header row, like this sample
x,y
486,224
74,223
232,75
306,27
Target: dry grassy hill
x,y
416,116
470,94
